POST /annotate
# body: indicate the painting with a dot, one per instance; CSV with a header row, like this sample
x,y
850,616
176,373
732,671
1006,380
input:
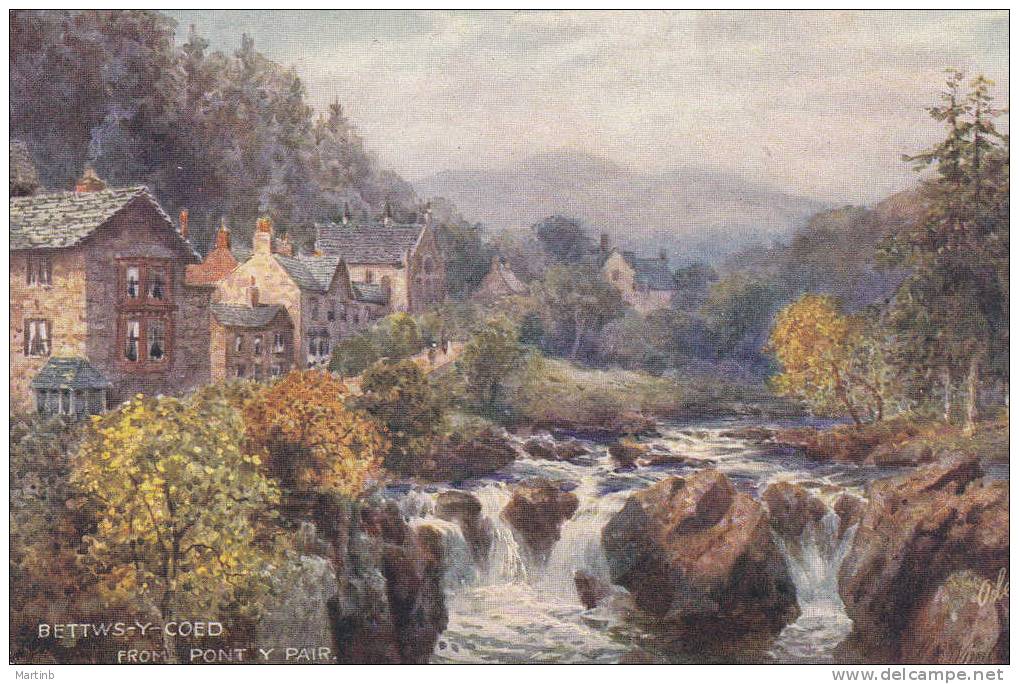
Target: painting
x,y
509,337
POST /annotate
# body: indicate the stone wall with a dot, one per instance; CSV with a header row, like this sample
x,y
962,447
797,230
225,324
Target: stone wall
x,y
225,358
62,304
398,298
427,275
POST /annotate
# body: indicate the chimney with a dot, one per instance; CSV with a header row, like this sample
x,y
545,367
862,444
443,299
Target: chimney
x,y
604,243
428,214
223,236
184,223
261,241
387,214
284,246
346,213
663,256
253,293
89,181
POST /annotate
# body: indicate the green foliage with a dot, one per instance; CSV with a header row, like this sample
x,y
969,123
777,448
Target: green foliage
x,y
564,239
737,312
492,353
352,355
397,395
575,303
467,259
183,509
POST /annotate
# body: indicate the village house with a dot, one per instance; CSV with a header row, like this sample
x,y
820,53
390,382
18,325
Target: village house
x,y
500,282
316,292
99,305
644,283
402,258
251,340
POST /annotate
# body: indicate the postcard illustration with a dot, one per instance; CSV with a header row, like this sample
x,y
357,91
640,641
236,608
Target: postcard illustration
x,y
508,337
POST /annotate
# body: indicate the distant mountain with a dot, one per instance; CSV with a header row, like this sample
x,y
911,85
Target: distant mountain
x,y
694,213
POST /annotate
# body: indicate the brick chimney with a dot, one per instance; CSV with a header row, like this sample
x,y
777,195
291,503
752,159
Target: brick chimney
x,y
284,246
89,181
223,236
184,223
261,242
604,243
253,293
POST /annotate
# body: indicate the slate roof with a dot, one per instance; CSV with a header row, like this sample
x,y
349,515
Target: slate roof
x,y
24,179
367,243
650,272
370,293
237,316
64,219
310,273
69,373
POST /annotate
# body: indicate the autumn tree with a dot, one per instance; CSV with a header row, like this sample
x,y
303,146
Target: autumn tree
x,y
827,359
309,437
492,353
397,395
182,508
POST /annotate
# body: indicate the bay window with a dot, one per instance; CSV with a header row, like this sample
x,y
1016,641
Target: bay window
x,y
37,337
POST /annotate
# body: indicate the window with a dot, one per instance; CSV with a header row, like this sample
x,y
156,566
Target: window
x,y
331,314
156,283
133,280
132,340
314,308
387,283
156,334
615,275
276,370
258,345
37,338
66,403
278,342
369,277
39,271
240,371
257,374
238,344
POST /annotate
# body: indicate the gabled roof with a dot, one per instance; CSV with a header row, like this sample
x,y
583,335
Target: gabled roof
x,y
650,272
310,272
370,293
368,243
64,219
509,278
237,316
69,373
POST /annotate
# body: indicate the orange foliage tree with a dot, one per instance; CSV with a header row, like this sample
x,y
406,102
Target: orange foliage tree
x,y
310,438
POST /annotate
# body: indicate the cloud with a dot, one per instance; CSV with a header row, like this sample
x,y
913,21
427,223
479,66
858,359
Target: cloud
x,y
815,103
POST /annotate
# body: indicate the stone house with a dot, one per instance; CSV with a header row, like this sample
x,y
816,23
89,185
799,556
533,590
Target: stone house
x,y
500,282
644,283
98,298
253,341
404,259
315,291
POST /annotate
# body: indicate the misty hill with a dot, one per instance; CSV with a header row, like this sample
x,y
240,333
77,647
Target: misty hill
x,y
694,213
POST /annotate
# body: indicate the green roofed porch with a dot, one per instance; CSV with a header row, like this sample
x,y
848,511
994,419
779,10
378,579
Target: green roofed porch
x,y
70,386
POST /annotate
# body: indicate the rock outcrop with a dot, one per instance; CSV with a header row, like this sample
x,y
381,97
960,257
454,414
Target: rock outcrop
x,y
570,450
625,453
915,532
695,552
465,510
792,508
537,511
456,458
591,589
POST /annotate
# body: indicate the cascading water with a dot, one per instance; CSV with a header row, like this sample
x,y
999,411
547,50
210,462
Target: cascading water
x,y
814,561
505,608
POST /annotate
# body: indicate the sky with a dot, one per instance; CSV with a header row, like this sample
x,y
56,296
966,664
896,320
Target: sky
x,y
818,104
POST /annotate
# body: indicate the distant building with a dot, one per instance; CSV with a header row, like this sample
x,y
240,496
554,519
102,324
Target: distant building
x,y
644,283
99,305
404,259
315,291
500,282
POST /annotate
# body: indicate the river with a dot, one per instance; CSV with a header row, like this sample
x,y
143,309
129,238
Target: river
x,y
513,610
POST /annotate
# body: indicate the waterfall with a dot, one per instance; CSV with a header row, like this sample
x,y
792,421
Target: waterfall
x,y
813,562
505,558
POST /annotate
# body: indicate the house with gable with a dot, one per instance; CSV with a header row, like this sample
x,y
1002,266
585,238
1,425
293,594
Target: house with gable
x,y
646,283
100,309
403,259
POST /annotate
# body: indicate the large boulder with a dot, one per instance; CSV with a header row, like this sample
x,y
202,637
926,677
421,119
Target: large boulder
x,y
591,588
964,621
697,553
625,452
465,510
792,508
551,450
537,511
754,434
916,531
456,458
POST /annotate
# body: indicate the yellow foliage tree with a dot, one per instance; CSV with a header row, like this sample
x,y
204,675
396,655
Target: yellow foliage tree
x,y
309,436
184,511
827,359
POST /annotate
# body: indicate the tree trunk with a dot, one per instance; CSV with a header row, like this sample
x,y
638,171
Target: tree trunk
x,y
972,392
578,334
946,381
843,395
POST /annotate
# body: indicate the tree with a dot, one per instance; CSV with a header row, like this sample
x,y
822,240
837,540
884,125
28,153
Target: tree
x,y
309,437
576,302
492,353
352,355
826,359
399,336
737,313
182,507
564,239
960,246
398,396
